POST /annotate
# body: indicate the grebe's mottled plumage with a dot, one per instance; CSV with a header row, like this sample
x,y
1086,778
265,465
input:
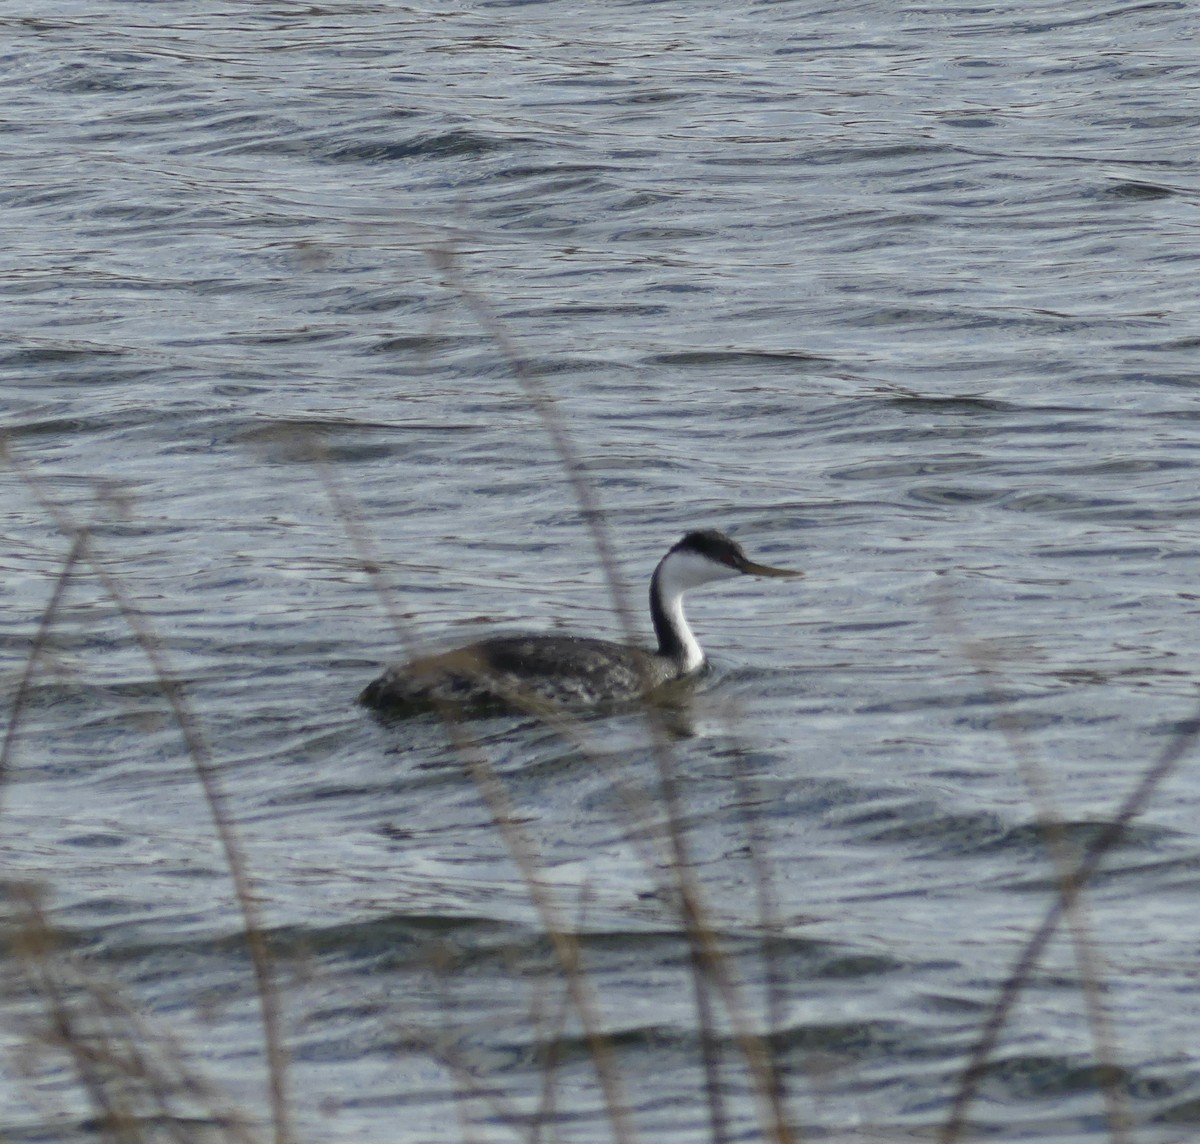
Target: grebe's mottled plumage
x,y
528,671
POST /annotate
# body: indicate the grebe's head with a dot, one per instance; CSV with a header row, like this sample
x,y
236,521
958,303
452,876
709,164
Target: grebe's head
x,y
708,555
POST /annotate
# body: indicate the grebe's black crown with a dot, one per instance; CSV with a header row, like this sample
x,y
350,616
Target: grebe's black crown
x,y
714,546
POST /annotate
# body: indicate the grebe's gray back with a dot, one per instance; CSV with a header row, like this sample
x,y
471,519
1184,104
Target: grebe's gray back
x,y
528,671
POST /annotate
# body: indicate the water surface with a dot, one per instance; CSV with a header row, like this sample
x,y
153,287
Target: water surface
x,y
902,296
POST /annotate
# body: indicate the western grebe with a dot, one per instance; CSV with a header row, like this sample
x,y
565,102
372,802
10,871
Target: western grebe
x,y
532,671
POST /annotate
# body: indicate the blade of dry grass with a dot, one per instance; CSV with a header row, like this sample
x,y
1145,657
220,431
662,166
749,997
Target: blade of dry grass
x,y
706,959
491,789
37,946
564,941
550,1040
1133,805
134,1080
770,931
1037,787
40,639
199,756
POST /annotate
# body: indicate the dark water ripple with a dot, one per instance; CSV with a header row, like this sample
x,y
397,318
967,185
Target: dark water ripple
x,y
902,295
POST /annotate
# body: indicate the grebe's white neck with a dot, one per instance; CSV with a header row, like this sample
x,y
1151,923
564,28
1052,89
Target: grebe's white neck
x,y
678,571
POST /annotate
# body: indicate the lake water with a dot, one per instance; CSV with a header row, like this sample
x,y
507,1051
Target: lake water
x,y
903,295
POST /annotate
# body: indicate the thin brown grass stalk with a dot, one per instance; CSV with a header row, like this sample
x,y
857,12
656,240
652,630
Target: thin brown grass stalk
x,y
770,932
465,1084
564,942
1037,787
37,945
491,789
198,754
553,1032
546,409
1134,804
704,957
708,962
457,1065
37,647
470,1088
713,966
754,1047
704,954
134,1080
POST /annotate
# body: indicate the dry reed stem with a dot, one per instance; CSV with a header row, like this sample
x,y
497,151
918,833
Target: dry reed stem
x,y
1133,805
566,944
687,898
706,959
40,640
464,1083
548,1032
38,949
770,927
1033,777
457,1064
547,411
107,1043
491,789
203,768
552,1040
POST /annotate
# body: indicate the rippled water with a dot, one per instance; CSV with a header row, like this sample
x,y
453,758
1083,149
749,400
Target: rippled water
x,y
903,295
